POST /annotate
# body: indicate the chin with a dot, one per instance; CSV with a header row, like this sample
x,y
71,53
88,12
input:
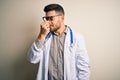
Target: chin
x,y
54,29
51,29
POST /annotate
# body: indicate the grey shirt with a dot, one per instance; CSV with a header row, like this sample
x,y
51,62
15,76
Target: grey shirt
x,y
56,57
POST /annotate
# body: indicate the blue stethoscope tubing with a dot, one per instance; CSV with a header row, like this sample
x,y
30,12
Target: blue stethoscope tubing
x,y
71,35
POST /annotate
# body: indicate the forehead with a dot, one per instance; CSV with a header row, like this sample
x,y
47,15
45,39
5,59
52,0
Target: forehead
x,y
51,13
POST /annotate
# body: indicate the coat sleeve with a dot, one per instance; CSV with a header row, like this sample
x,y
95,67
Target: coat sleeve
x,y
82,60
34,53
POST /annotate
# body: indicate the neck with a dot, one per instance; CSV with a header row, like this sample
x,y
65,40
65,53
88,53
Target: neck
x,y
60,30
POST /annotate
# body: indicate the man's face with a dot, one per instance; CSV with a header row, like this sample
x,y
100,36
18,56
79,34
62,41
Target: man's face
x,y
56,20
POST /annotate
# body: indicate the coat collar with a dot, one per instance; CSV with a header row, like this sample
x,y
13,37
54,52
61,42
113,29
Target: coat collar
x,y
69,36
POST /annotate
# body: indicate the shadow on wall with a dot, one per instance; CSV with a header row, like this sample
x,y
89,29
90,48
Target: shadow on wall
x,y
17,31
24,70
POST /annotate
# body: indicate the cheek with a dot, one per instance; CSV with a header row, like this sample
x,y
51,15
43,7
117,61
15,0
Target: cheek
x,y
55,22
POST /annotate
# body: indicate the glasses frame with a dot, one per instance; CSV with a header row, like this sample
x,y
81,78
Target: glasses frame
x,y
49,18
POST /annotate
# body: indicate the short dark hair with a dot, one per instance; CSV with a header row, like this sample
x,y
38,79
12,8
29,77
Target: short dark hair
x,y
56,7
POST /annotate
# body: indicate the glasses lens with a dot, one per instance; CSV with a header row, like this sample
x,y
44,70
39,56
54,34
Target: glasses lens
x,y
47,18
43,18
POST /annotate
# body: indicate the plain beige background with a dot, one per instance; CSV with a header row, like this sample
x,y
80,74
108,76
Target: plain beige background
x,y
97,20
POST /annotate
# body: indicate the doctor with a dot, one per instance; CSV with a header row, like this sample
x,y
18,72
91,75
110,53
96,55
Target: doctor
x,y
60,52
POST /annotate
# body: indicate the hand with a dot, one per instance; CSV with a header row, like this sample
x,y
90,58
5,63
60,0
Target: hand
x,y
45,29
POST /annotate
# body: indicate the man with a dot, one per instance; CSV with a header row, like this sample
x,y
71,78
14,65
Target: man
x,y
60,51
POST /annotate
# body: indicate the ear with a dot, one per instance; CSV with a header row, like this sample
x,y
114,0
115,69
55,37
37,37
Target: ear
x,y
62,17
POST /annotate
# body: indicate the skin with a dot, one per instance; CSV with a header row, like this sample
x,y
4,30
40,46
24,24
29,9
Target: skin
x,y
56,25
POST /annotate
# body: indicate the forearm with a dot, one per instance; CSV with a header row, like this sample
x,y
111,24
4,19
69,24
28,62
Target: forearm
x,y
35,51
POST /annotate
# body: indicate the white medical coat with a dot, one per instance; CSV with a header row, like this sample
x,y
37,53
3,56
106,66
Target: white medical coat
x,y
76,61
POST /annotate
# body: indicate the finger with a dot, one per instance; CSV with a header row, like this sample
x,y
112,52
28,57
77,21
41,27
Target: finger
x,y
45,24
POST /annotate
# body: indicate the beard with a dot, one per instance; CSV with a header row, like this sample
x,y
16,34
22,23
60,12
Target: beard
x,y
55,29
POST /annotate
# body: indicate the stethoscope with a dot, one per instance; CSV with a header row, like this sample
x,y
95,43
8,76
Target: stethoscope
x,y
71,35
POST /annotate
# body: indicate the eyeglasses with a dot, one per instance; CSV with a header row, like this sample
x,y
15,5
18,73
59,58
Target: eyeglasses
x,y
49,18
